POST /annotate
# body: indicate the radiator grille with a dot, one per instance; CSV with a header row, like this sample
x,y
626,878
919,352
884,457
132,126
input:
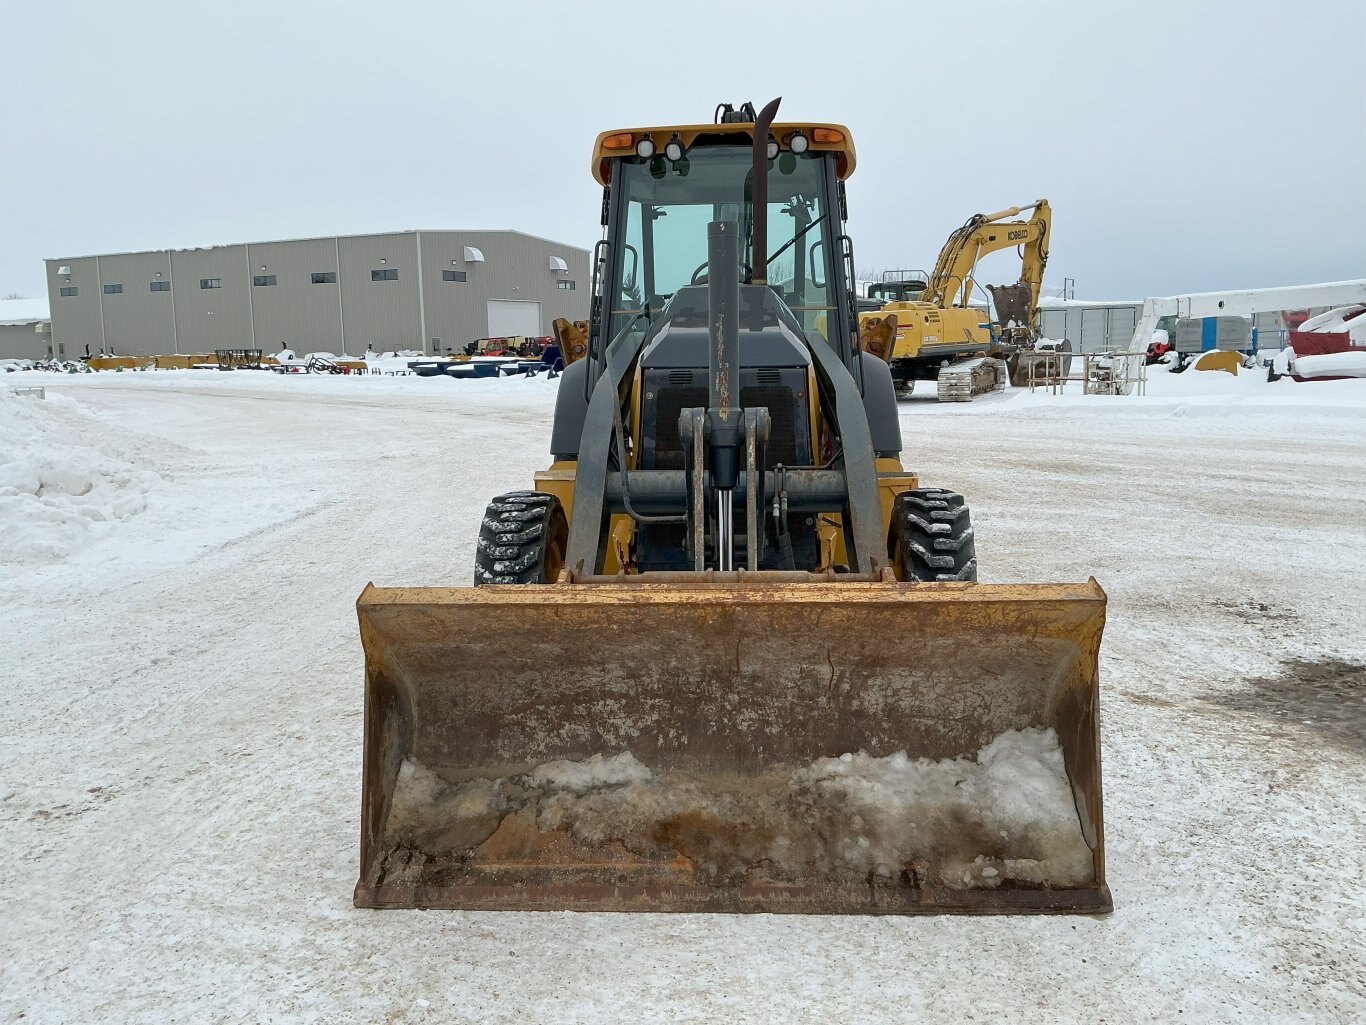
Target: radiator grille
x,y
672,391
670,403
782,438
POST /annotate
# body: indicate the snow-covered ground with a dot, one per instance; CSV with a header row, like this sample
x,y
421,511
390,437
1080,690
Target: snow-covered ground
x,y
61,483
180,767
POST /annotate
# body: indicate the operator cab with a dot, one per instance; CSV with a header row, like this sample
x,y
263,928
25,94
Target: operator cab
x,y
665,185
662,214
651,289
897,287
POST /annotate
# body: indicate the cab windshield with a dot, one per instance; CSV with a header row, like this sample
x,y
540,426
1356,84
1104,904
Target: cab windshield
x,y
897,291
667,207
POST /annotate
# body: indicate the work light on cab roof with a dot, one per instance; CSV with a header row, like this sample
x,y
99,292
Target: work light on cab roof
x,y
675,141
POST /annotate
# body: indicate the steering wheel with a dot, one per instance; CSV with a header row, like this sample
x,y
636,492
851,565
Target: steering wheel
x,y
699,276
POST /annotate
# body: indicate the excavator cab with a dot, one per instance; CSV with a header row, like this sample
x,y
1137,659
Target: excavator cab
x,y
754,669
899,286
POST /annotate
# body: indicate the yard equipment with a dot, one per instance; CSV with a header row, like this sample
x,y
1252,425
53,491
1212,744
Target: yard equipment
x,y
1326,347
1287,300
238,359
518,345
940,336
728,654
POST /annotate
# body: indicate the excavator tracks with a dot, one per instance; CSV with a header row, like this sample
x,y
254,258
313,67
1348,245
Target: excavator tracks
x,y
962,382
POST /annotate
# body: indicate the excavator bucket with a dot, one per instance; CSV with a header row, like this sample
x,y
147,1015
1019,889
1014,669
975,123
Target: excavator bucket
x,y
865,747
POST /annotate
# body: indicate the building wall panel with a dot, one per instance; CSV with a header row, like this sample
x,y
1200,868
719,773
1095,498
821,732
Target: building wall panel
x,y
24,341
380,315
294,313
212,318
455,309
75,319
138,321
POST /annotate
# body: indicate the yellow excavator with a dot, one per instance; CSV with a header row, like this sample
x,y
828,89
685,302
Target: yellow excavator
x,y
940,337
727,653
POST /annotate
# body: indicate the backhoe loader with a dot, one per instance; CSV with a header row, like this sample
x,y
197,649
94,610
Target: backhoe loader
x,y
940,337
753,669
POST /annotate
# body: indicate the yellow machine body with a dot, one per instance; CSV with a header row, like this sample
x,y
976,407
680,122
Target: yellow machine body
x,y
924,330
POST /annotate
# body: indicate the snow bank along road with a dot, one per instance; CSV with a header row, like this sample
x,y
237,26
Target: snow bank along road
x,y
180,767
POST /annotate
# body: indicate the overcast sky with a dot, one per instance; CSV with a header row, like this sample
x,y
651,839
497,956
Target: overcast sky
x,y
1185,146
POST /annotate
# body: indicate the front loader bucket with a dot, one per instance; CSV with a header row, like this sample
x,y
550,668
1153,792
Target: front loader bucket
x,y
860,747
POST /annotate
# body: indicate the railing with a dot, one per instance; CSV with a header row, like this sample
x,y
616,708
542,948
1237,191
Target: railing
x,y
1102,373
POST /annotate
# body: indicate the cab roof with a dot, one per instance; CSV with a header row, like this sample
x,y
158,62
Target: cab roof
x,y
822,138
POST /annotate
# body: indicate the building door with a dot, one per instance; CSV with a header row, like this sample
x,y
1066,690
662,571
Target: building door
x,y
1123,321
508,317
1093,330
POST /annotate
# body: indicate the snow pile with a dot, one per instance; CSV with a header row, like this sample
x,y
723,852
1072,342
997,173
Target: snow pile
x,y
1013,800
1351,319
433,815
1006,815
595,772
1330,364
429,814
63,481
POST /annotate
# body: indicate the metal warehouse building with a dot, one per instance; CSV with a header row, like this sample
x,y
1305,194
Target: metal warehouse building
x,y
25,329
433,291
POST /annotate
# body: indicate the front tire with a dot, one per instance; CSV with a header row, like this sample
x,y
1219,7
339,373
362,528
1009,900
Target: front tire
x,y
522,540
932,537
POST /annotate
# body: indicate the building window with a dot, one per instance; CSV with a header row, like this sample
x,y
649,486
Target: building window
x,y
210,282
160,286
453,275
69,291
112,289
565,286
324,277
384,274
263,279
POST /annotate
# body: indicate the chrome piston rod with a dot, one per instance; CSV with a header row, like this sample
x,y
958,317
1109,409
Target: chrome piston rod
x,y
725,530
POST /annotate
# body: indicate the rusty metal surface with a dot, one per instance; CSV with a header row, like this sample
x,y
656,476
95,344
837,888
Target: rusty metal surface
x,y
519,894
1014,304
878,334
723,684
572,338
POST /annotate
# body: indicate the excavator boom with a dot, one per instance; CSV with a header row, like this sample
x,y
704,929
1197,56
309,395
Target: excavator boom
x,y
952,279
